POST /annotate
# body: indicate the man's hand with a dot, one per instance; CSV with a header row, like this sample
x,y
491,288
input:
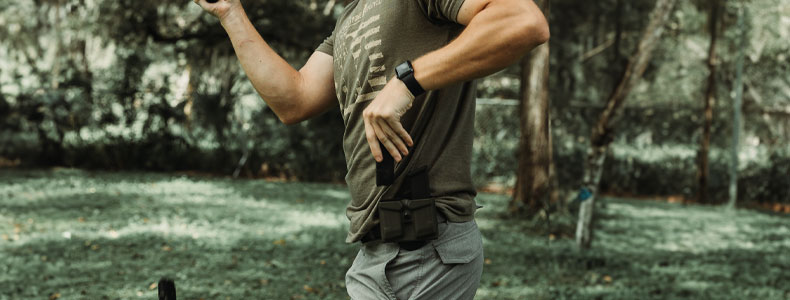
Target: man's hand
x,y
220,8
382,121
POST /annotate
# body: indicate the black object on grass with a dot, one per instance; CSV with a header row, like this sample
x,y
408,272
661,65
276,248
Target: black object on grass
x,y
167,289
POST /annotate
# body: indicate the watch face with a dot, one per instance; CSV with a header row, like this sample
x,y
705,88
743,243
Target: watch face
x,y
403,70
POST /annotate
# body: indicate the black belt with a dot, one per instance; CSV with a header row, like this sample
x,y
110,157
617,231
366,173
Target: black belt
x,y
375,235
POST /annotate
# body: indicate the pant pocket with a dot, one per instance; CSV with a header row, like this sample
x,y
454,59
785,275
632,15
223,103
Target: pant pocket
x,y
461,243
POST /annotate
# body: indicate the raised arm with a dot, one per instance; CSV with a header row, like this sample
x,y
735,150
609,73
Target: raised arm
x,y
497,34
293,95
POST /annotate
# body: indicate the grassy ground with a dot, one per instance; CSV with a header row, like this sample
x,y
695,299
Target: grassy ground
x,y
72,234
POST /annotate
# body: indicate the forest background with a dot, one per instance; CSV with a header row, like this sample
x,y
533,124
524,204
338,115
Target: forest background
x,y
132,146
155,85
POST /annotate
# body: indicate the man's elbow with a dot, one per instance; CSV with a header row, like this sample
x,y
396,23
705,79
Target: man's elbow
x,y
290,119
289,115
533,30
541,32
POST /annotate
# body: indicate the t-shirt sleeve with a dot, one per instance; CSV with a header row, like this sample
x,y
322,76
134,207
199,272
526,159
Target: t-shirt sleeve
x,y
328,46
441,10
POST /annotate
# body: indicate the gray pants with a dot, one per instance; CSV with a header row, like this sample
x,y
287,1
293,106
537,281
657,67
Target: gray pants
x,y
447,268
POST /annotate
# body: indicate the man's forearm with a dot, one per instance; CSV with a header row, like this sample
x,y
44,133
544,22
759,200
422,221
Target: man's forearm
x,y
272,77
497,36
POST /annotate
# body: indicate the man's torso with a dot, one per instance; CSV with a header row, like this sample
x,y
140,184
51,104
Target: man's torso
x,y
370,39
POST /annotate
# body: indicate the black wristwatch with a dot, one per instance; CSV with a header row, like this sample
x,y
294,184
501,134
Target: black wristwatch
x,y
405,73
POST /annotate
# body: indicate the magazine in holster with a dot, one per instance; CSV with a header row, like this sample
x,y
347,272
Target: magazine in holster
x,y
412,218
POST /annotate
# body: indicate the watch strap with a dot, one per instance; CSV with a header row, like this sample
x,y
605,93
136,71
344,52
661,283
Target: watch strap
x,y
405,73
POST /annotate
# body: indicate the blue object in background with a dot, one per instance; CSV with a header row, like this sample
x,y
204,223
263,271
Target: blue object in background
x,y
584,195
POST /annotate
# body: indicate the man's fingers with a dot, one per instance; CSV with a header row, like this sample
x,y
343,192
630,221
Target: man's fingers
x,y
386,141
400,131
373,142
395,138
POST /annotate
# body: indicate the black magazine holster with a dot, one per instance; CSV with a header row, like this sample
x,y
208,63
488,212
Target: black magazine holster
x,y
411,215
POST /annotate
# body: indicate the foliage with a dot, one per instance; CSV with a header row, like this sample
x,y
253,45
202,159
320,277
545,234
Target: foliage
x,y
589,46
155,85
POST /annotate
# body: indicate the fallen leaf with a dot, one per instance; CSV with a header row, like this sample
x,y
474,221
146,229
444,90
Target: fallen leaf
x,y
264,281
81,219
6,237
488,261
323,262
552,237
95,247
279,242
309,289
167,248
496,283
54,296
153,286
675,199
607,278
145,220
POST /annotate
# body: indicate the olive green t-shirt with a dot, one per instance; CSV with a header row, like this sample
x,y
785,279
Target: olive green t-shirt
x,y
370,39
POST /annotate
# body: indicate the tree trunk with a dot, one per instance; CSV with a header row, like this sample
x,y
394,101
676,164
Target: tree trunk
x,y
710,98
603,131
532,179
736,126
54,75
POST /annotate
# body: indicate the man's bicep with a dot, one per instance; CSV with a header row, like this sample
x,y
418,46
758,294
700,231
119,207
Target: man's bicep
x,y
469,9
317,85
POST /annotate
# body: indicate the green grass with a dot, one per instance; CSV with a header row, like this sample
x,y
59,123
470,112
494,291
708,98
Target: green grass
x,y
100,235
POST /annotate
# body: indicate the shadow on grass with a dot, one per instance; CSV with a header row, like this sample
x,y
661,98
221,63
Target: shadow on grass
x,y
76,203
